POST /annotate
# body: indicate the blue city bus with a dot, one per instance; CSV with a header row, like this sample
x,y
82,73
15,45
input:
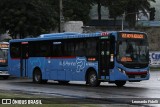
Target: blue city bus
x,y
4,60
114,57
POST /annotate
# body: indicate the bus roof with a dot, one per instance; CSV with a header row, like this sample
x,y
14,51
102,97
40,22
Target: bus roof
x,y
68,35
65,35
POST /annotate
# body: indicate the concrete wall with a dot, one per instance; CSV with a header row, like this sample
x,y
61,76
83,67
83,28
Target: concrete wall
x,y
153,37
73,26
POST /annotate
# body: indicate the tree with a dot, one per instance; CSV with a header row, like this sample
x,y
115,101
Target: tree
x,y
77,10
134,7
129,7
100,3
152,13
5,37
34,17
27,17
116,8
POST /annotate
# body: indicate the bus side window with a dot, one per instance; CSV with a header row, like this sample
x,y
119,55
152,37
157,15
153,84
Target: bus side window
x,y
57,49
80,48
91,47
44,50
69,48
15,50
72,49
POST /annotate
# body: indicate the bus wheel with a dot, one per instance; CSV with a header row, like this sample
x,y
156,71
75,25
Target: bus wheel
x,y
93,79
37,76
120,83
63,82
44,81
5,77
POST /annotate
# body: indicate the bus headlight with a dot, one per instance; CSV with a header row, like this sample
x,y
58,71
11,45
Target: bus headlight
x,y
148,72
121,70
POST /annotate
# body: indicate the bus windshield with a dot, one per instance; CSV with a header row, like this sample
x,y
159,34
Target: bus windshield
x,y
133,50
3,57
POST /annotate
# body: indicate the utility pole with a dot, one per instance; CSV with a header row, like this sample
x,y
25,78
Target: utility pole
x,y
61,18
123,16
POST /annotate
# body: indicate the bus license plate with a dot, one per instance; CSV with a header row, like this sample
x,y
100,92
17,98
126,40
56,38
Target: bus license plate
x,y
137,76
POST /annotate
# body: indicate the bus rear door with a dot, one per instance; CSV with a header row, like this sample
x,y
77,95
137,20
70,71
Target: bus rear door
x,y
23,59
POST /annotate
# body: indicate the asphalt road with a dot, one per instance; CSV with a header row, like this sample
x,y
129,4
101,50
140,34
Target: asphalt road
x,y
107,92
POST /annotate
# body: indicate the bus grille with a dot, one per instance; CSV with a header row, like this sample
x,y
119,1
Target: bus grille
x,y
137,74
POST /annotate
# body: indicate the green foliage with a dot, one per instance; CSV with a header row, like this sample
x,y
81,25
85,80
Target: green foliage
x,y
133,7
34,17
77,10
118,7
99,4
27,17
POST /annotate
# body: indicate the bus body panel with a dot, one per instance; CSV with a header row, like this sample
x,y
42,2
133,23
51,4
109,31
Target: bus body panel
x,y
68,68
55,68
34,63
51,67
14,67
74,68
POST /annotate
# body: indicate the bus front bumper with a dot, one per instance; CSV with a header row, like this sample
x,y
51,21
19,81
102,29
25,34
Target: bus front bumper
x,y
4,73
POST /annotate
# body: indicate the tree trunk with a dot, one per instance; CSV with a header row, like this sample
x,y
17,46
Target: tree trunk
x,y
99,10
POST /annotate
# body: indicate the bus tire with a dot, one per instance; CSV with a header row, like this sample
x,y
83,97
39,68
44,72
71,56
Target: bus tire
x,y
44,81
63,82
5,77
120,83
93,79
37,76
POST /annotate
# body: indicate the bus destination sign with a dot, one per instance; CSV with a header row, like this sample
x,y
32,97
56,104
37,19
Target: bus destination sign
x,y
4,45
132,36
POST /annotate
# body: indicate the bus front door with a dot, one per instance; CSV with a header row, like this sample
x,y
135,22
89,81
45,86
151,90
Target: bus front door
x,y
23,60
104,58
